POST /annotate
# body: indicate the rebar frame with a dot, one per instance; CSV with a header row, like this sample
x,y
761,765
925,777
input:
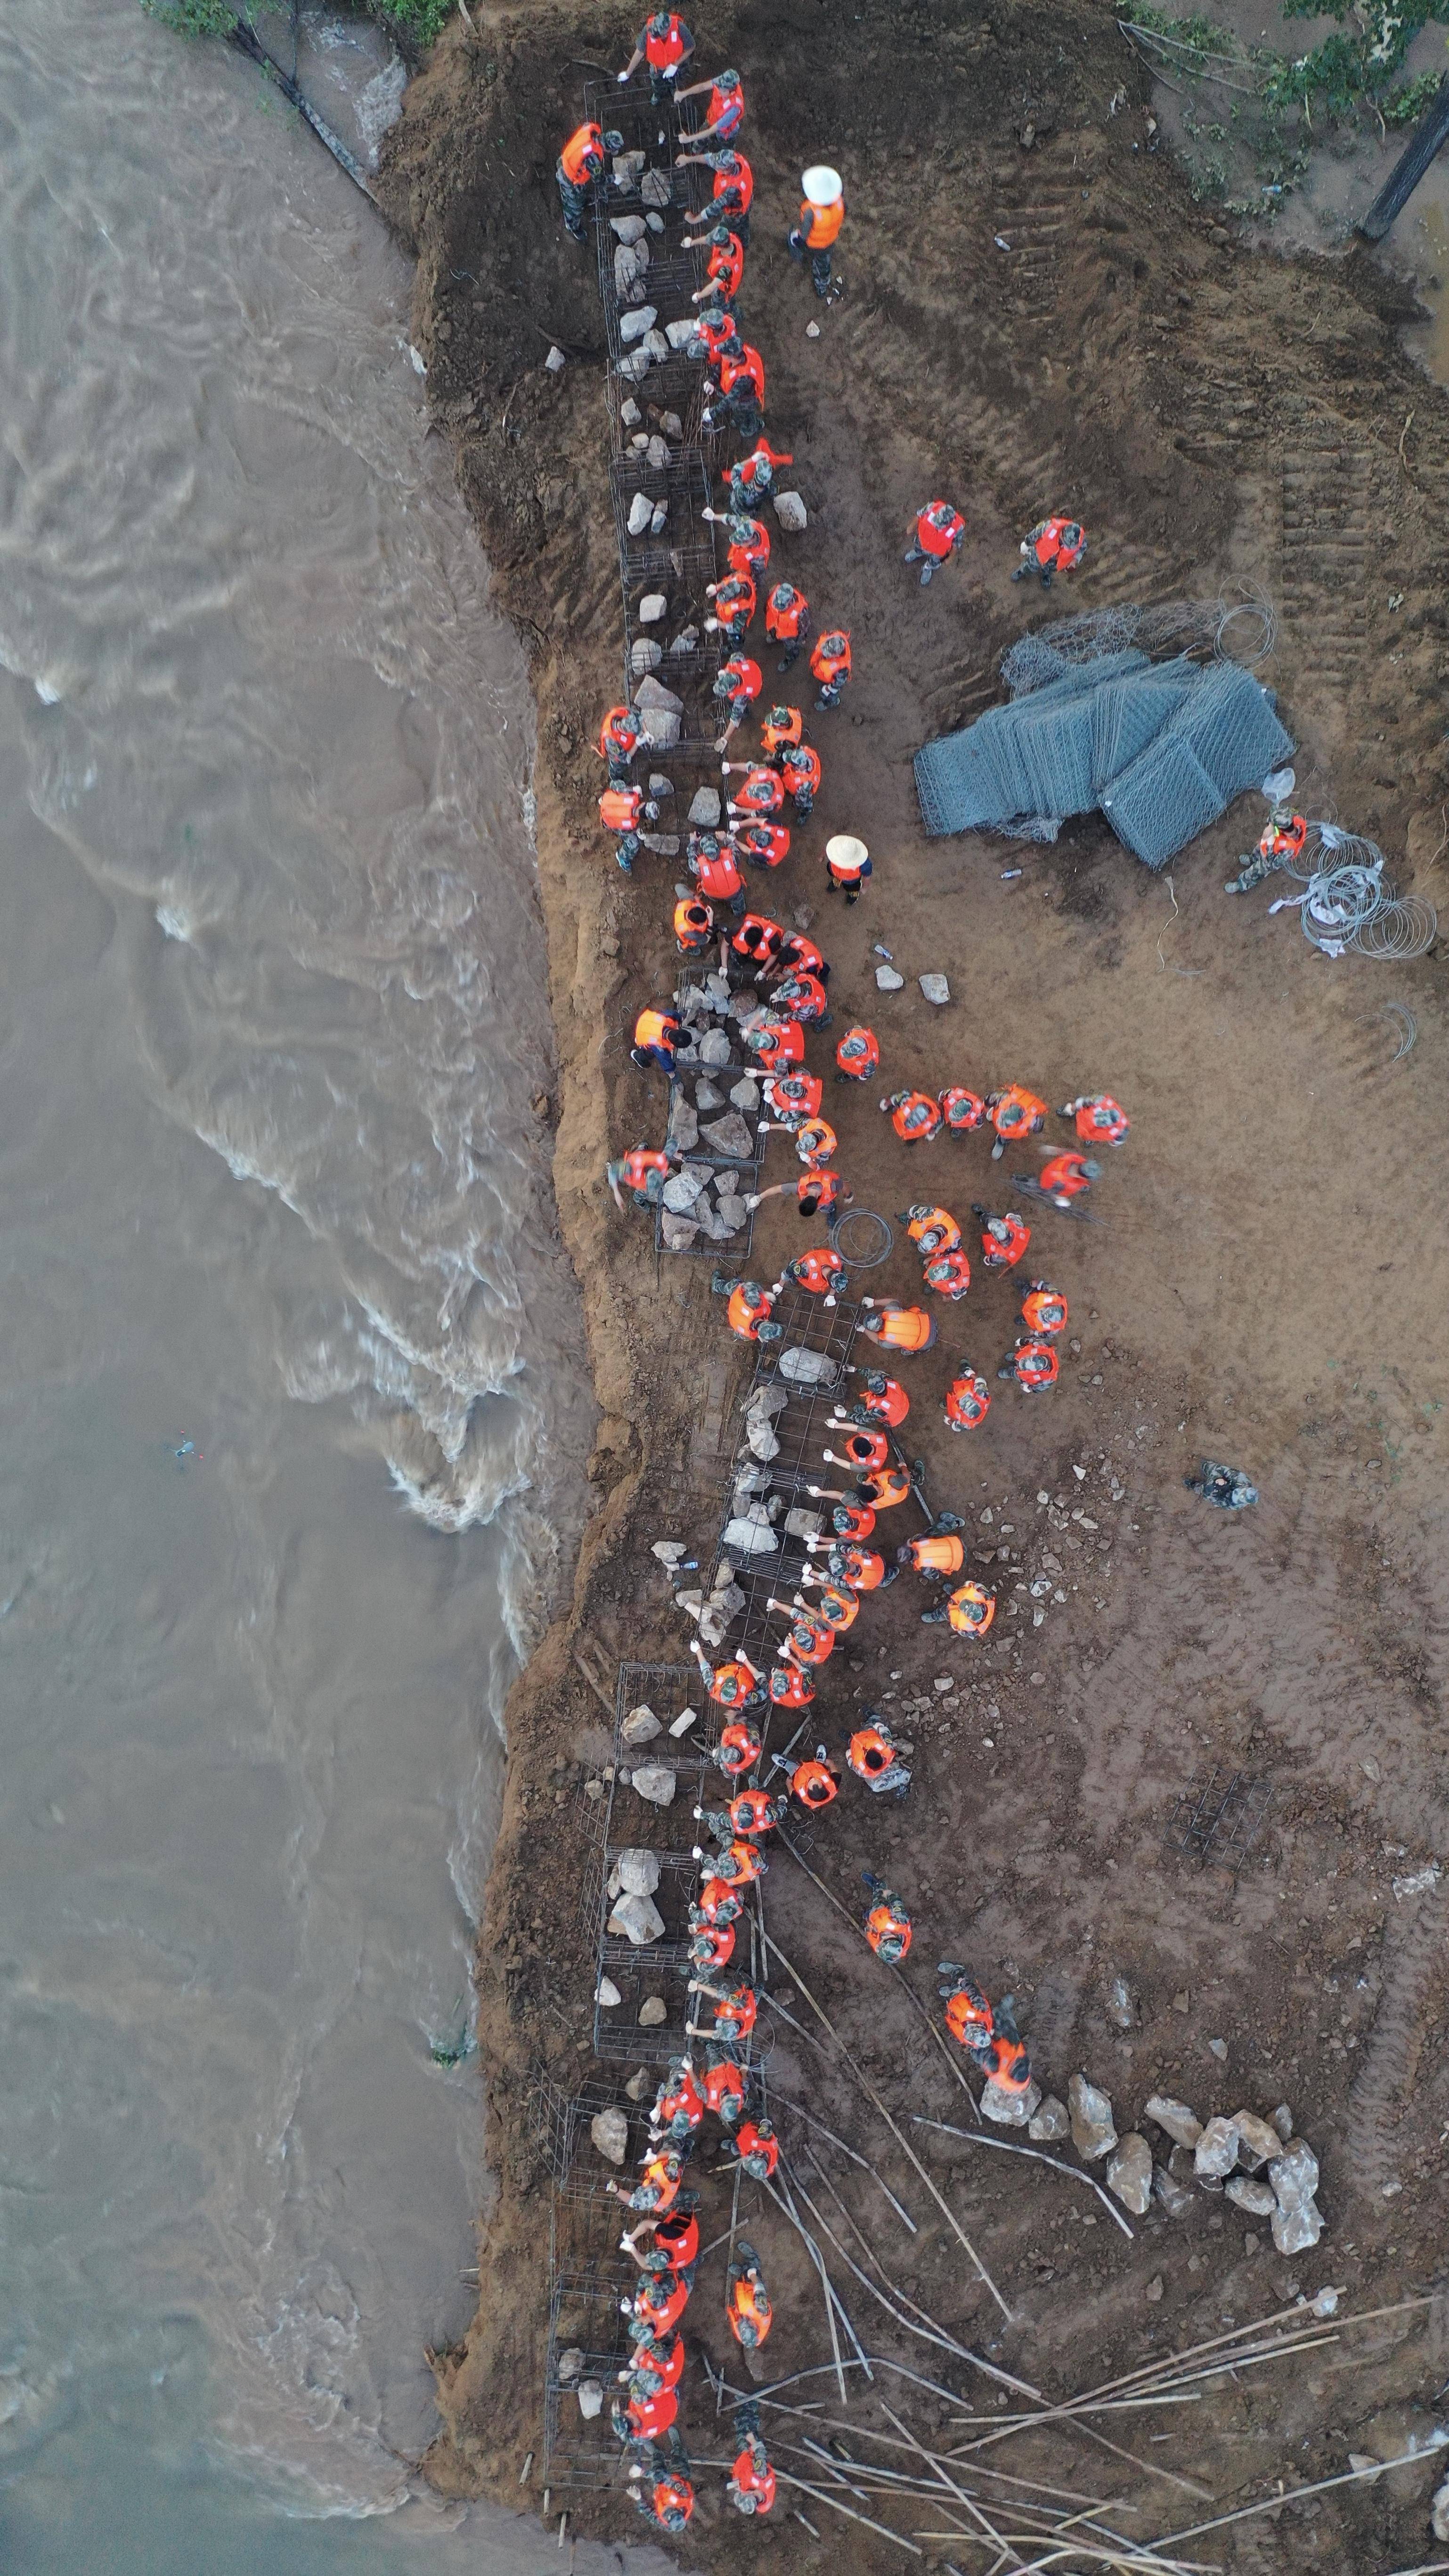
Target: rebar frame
x,y
1219,1816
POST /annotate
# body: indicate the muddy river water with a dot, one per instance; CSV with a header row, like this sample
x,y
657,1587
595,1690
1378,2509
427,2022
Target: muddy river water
x,y
290,1368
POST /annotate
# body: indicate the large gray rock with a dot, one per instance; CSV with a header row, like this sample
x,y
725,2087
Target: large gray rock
x,y
1255,2197
935,988
610,2133
1175,2197
636,1919
652,693
791,512
684,644
627,228
728,1135
1094,2131
802,1524
1298,2228
631,273
644,656
679,334
677,1233
683,1129
640,1727
633,367
1258,2141
704,808
1117,2001
1050,2120
808,1368
590,2395
733,1216
654,1782
745,1094
629,412
633,326
707,1097
1009,2110
887,980
652,607
657,346
1182,2125
655,188
1129,2174
1216,2151
661,729
681,1190
635,1873
714,1048
1294,2173
750,1538
652,2012
641,511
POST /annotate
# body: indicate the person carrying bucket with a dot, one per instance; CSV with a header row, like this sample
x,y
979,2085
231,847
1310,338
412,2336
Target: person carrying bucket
x,y
822,212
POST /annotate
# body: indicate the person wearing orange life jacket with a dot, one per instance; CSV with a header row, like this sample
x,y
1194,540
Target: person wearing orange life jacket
x,y
710,859
678,2104
747,2303
734,606
1033,1363
751,2484
860,1567
739,1748
715,331
782,727
820,1272
739,403
814,1194
749,546
799,956
735,2018
1054,545
758,938
739,1865
875,1757
621,811
659,2302
801,771
665,44
751,477
735,1683
754,1811
967,1401
991,2038
815,1781
887,1924
724,267
734,186
718,1903
793,1095
969,2017
643,1173
837,1602
847,864
896,1327
1100,1120
851,1520
804,997
662,2497
810,1640
711,1945
963,1111
790,1686
939,531
830,663
931,1229
645,2417
915,1116
762,793
787,621
949,1275
695,929
862,1450
757,2148
1044,1308
1280,845
652,2364
620,735
724,2089
1015,1113
738,683
1066,1177
659,2189
969,1611
656,1035
857,1055
937,1553
763,845
748,1311
887,1487
725,113
1003,1238
817,230
582,162
883,1400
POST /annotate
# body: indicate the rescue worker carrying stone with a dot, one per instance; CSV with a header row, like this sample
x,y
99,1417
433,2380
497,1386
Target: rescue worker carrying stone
x,y
1054,545
711,1945
739,1864
747,2303
751,2484
621,735
969,1611
967,1402
751,477
649,2413
580,164
621,811
875,1757
817,230
643,1173
859,1567
787,621
666,44
734,604
939,531
887,1924
830,665
811,1639
1100,1120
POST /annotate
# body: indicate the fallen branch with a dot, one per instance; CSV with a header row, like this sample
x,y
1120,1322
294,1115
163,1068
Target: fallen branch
x,y
1008,2147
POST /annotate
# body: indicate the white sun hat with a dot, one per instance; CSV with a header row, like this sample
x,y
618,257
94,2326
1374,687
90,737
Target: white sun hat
x,y
822,186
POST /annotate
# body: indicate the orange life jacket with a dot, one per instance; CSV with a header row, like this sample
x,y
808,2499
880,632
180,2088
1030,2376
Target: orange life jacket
x,y
738,182
752,1812
1104,1121
718,877
734,600
684,2100
888,1486
1002,1251
862,1569
902,1328
937,527
619,808
888,1932
869,1753
716,337
840,1606
730,1683
1064,1178
648,2417
1035,1365
1058,541
582,157
752,2482
866,1450
778,1043
662,2307
858,1053
739,1748
1017,1112
758,936
970,1610
968,2018
793,1096
748,367
968,1401
726,263
812,1639
1006,2062
672,2502
803,996
718,1902
789,1687
830,660
744,676
663,2182
637,1165
711,1945
1044,1310
933,1229
889,1402
949,1275
656,1028
735,2018
748,1308
785,610
944,1555
777,736
724,2089
620,731
760,792
767,843
801,769
726,108
693,926
665,2362
815,1783
748,2310
661,51
815,1144
963,1111
821,224
741,1864
915,1117
766,2148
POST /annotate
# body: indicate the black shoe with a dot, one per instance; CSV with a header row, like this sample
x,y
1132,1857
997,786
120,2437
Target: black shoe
x,y
933,1618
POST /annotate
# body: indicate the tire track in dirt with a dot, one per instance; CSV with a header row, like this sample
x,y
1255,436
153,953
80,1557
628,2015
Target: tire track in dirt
x,y
1413,1982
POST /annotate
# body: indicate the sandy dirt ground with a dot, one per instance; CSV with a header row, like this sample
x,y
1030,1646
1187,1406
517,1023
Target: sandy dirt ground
x,y
1262,1282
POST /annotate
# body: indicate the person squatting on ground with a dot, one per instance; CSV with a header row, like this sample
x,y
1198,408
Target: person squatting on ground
x,y
748,1311
751,477
915,1116
1003,1238
1033,1363
1015,1113
1280,845
736,1683
991,2039
857,1055
937,1553
1054,545
883,1399
621,735
894,1327
887,1924
939,532
817,229
621,811
656,1035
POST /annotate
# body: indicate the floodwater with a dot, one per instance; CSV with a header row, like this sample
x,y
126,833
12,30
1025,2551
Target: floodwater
x,y
291,1372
